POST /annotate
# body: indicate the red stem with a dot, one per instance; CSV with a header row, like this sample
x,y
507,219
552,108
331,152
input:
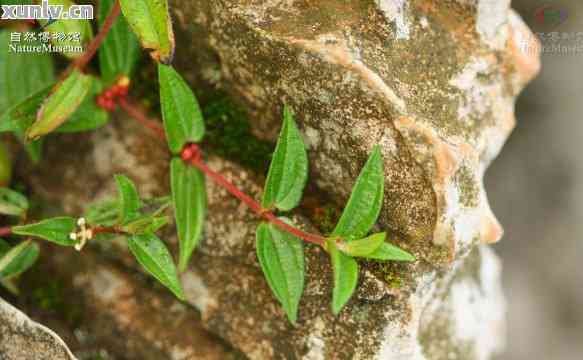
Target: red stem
x,y
134,111
254,205
196,160
6,231
107,230
84,59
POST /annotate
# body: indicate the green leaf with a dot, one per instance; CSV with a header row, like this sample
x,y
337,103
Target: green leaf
x,y
190,206
146,224
120,50
5,166
22,74
183,120
55,230
390,252
345,276
150,21
153,255
365,202
104,213
88,116
130,203
363,247
64,99
281,257
18,259
12,203
74,26
288,171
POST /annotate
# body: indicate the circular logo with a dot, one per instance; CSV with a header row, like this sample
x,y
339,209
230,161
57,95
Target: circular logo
x,y
550,15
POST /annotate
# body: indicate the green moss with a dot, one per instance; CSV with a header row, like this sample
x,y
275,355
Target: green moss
x,y
229,135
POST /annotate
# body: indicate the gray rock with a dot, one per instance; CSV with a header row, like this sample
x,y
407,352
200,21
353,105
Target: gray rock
x,y
433,83
23,339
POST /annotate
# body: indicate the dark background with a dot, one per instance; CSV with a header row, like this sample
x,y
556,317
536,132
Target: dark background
x,y
536,190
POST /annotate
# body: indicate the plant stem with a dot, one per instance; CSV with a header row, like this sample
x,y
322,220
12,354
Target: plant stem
x,y
107,230
196,161
134,111
254,205
6,231
84,59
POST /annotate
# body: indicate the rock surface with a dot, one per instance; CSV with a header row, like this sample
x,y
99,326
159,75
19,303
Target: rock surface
x,y
433,82
23,339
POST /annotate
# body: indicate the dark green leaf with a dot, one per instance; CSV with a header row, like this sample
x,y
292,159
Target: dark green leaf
x,y
288,171
12,203
88,116
73,26
363,247
55,230
18,259
63,101
190,205
153,255
365,202
183,120
345,276
5,165
150,21
390,252
22,74
281,257
130,203
120,50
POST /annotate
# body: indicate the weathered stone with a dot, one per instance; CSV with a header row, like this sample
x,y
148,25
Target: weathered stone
x,y
125,315
395,311
23,339
433,83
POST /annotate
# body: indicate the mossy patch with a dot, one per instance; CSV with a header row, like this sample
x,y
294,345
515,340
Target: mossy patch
x,y
228,134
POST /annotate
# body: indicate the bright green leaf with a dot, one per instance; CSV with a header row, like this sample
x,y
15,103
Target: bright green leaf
x,y
183,120
390,252
55,230
288,171
64,99
345,276
190,206
281,257
12,203
153,255
120,50
18,259
366,200
150,21
130,203
88,116
74,26
104,213
363,247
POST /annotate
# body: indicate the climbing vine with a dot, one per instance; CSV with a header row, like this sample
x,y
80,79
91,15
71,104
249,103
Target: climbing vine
x,y
80,100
